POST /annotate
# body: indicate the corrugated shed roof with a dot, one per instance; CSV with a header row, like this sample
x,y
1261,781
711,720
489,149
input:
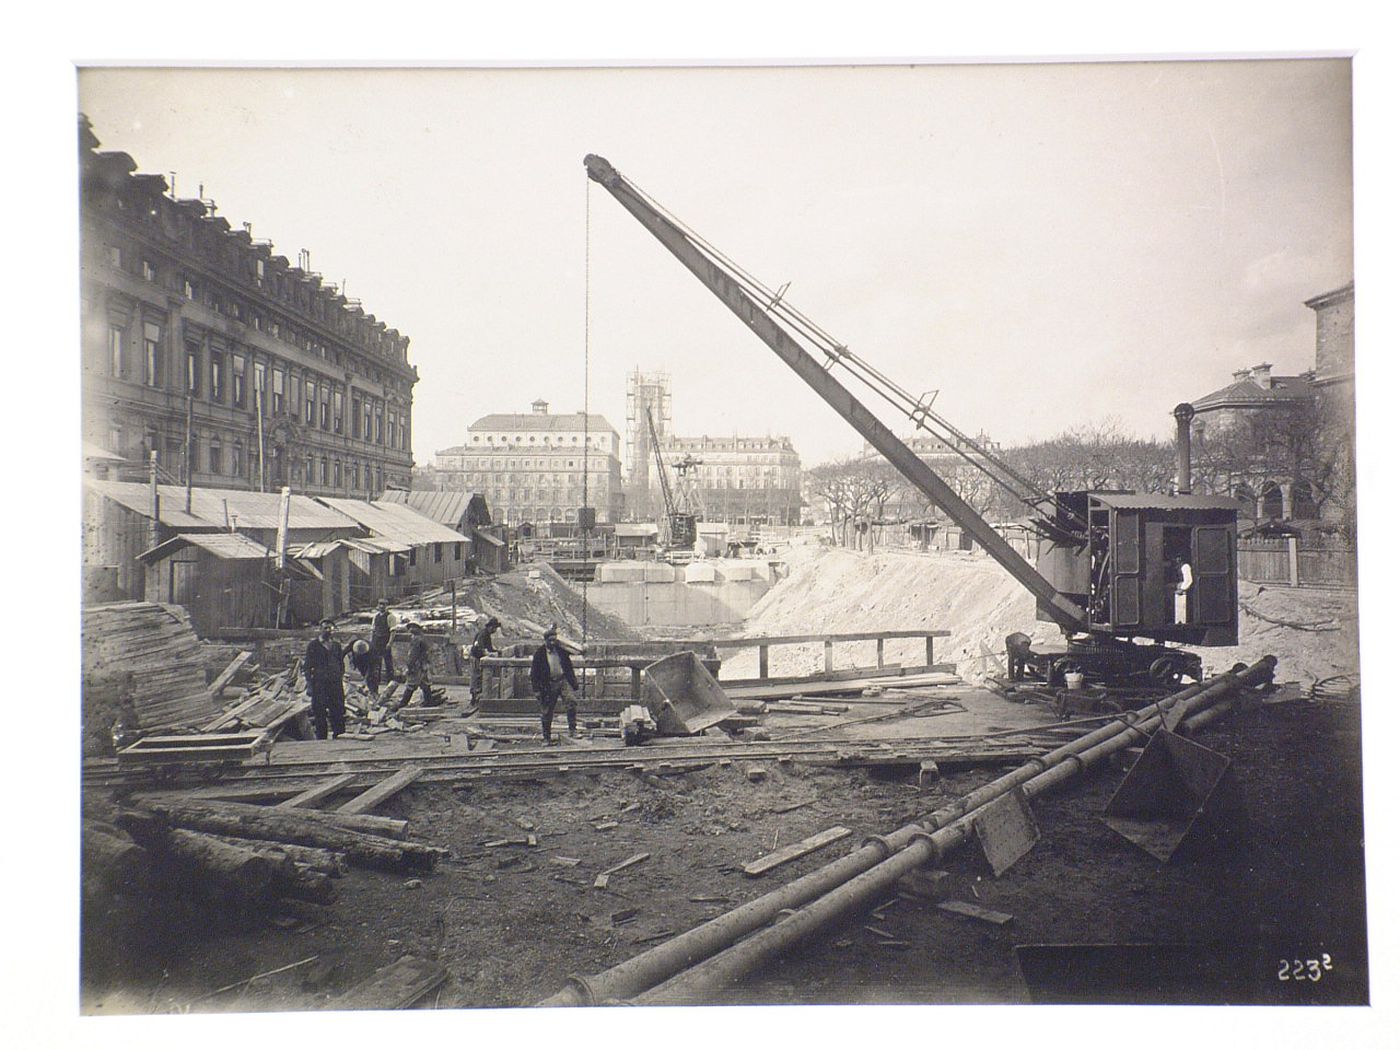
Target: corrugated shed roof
x,y
228,545
377,546
1158,501
568,421
394,521
318,549
246,510
445,508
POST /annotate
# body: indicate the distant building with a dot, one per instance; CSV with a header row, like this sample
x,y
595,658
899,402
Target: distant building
x,y
957,463
648,398
530,466
742,480
1308,420
238,369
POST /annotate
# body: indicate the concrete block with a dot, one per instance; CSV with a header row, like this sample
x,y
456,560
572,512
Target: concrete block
x,y
699,572
926,885
928,772
756,773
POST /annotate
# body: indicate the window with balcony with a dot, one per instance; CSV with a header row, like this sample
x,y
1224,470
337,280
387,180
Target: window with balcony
x,y
148,270
338,403
235,464
216,456
279,391
310,403
337,474
260,385
192,369
152,354
116,350
240,382
325,471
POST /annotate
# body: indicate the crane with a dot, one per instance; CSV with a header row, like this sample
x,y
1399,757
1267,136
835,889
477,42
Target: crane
x,y
679,524
1104,572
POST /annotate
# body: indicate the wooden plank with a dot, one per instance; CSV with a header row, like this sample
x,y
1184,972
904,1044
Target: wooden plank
x,y
975,911
601,882
226,675
319,793
393,987
363,803
798,849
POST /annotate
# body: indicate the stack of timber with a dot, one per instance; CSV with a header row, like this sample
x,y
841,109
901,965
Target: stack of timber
x,y
365,840
148,655
267,705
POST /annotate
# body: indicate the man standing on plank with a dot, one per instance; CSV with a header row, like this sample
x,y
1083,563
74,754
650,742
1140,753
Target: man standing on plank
x,y
381,650
324,664
552,677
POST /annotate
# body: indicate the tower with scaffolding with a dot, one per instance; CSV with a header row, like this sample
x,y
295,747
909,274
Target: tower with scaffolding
x,y
647,392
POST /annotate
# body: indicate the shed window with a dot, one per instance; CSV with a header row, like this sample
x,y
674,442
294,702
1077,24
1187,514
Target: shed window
x,y
437,552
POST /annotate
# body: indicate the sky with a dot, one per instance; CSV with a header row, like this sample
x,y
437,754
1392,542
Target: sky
x,y
1045,245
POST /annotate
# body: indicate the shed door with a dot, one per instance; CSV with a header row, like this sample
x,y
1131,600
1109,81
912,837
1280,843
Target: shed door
x,y
1127,569
181,583
1214,570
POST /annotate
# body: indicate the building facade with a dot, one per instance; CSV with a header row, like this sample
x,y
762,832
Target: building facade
x,y
1284,445
531,466
236,368
740,480
648,411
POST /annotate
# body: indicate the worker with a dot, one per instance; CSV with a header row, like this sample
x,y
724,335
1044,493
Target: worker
x,y
362,660
324,664
381,632
1018,654
1184,580
552,678
417,676
482,644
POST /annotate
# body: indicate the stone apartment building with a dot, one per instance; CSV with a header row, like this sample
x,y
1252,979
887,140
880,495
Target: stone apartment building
x,y
741,480
530,466
238,369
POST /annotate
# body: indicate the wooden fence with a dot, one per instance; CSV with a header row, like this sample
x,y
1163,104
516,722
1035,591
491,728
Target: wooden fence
x,y
1296,563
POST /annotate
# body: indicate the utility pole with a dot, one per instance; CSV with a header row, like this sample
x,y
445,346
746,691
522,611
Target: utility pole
x,y
189,457
284,583
155,499
262,471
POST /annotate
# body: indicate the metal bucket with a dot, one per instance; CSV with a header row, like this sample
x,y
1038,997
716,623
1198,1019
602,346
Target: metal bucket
x,y
682,696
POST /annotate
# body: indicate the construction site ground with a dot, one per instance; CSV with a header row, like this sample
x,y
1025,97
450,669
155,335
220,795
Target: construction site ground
x,y
510,923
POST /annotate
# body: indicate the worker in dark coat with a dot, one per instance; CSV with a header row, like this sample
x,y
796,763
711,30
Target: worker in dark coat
x,y
482,644
552,678
418,660
324,664
381,632
363,662
1018,655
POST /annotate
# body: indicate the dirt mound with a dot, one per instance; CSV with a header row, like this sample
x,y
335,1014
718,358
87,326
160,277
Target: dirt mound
x,y
525,600
1312,632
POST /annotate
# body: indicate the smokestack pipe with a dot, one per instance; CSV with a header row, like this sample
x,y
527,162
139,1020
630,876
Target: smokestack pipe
x,y
1184,413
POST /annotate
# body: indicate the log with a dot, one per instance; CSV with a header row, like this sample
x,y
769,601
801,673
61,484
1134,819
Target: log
x,y
307,885
111,860
325,861
230,871
300,828
260,816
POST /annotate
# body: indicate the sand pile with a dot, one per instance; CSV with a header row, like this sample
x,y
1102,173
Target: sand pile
x,y
833,590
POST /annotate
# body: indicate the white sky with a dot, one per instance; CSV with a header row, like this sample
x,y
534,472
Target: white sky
x,y
1044,244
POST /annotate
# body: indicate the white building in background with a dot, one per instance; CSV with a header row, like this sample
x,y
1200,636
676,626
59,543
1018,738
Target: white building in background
x,y
530,466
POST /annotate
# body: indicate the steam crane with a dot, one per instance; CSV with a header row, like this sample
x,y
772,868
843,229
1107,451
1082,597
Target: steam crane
x,y
679,525
1108,565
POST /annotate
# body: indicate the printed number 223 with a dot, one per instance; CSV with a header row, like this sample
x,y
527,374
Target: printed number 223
x,y
1303,969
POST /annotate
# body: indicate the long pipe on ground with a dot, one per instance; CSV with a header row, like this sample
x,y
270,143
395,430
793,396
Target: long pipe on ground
x,y
701,981
632,977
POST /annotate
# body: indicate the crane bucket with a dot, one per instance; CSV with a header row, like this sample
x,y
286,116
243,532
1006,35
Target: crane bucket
x,y
682,696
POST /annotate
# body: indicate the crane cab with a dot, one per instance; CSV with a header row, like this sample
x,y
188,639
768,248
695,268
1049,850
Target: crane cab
x,y
1127,570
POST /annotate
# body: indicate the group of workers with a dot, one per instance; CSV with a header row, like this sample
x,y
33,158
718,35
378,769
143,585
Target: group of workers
x,y
551,671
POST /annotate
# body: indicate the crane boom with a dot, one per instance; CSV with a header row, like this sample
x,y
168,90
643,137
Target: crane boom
x,y
1065,612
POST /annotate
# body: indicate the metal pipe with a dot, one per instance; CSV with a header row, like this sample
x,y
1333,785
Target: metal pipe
x,y
643,971
700,982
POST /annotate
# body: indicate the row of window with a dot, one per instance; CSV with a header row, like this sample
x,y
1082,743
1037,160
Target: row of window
x,y
276,391
222,302
519,439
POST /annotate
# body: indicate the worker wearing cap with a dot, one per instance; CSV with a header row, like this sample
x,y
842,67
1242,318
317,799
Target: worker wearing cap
x,y
552,678
481,645
417,676
381,632
324,664
363,661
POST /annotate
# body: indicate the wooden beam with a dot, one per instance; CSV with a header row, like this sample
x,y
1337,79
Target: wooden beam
x,y
601,882
393,987
226,675
798,849
385,789
314,795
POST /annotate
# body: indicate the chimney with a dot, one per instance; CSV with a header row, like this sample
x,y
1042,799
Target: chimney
x,y
1183,413
1260,374
540,407
1240,376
